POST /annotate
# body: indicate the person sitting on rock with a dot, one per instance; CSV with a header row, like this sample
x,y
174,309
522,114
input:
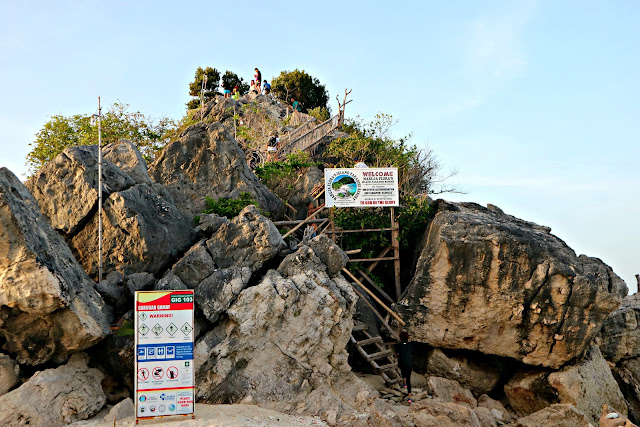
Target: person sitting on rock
x,y
236,93
296,105
273,144
266,88
404,361
253,89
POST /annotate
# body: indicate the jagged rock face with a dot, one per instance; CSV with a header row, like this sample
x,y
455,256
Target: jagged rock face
x,y
249,240
490,282
587,385
48,306
206,161
55,397
283,338
142,228
557,415
627,373
621,331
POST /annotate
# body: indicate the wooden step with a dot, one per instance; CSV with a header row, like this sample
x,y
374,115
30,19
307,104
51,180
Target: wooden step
x,y
394,381
369,341
359,327
388,367
380,354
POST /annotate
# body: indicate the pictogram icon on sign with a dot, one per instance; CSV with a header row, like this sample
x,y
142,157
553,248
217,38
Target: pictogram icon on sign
x,y
143,374
143,316
172,373
186,329
143,329
157,373
157,330
172,329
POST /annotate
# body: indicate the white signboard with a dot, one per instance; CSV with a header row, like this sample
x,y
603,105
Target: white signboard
x,y
165,382
361,187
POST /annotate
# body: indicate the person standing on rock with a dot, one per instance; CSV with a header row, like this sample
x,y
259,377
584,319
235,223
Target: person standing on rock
x,y
258,76
404,361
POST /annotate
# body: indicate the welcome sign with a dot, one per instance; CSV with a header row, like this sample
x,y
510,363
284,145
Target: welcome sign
x,y
164,353
361,187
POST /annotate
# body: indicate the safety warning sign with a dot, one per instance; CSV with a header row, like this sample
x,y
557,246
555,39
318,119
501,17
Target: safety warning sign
x,y
164,353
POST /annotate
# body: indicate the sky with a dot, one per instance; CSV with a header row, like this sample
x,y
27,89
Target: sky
x,y
535,104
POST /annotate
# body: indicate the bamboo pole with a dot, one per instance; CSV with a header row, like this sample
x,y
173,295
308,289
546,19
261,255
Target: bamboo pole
x,y
395,243
374,297
384,323
290,232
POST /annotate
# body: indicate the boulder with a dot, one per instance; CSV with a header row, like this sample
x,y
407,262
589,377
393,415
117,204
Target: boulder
x,y
249,240
587,386
445,390
126,156
283,337
195,266
620,336
485,416
557,415
66,188
493,283
627,373
496,408
55,397
329,253
9,373
206,161
210,223
477,376
122,409
430,413
215,294
142,232
49,308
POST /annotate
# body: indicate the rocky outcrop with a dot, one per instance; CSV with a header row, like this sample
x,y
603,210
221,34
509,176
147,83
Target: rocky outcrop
x,y
48,307
142,229
479,377
55,397
557,415
620,337
588,385
490,282
627,373
206,161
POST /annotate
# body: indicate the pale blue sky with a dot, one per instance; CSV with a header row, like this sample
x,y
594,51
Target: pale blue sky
x,y
535,103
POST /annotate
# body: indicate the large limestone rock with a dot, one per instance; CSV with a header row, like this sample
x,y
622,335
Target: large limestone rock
x,y
587,385
129,160
477,376
490,282
621,331
428,413
206,161
55,397
557,415
451,391
627,373
49,307
249,240
9,373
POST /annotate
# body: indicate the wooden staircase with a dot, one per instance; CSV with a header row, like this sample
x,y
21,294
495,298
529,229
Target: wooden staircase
x,y
376,353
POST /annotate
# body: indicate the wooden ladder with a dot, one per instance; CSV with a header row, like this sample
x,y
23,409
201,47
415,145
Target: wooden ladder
x,y
376,353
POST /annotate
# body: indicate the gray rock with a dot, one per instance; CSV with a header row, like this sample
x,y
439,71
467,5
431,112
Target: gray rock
x,y
139,282
477,376
55,397
451,391
329,253
529,391
557,415
496,407
169,282
430,413
195,266
123,409
206,161
9,373
210,223
126,156
215,294
485,417
490,282
111,288
66,188
142,232
50,308
627,373
620,336
249,240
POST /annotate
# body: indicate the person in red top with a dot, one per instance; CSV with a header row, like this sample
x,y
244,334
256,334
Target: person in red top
x,y
258,76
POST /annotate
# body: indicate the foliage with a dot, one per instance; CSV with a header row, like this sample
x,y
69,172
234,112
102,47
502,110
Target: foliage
x,y
232,80
210,89
118,123
279,176
320,113
301,86
372,144
254,127
126,329
229,207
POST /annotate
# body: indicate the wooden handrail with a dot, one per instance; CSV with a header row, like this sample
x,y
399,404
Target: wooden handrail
x,y
372,295
290,232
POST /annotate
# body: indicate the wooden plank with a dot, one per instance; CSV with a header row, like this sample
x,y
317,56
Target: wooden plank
x,y
359,327
375,264
369,341
365,230
393,313
388,367
297,221
295,211
372,259
371,282
290,232
395,243
353,251
380,354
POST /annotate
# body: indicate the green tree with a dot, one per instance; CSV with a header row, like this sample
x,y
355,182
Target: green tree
x,y
232,79
118,123
210,88
304,88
